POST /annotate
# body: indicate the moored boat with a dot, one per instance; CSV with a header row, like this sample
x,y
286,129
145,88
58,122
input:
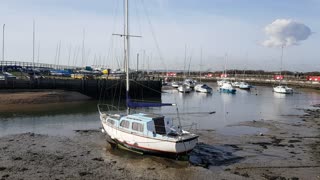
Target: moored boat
x,y
245,86
190,82
235,84
283,89
175,84
184,88
203,88
227,88
143,132
148,133
221,82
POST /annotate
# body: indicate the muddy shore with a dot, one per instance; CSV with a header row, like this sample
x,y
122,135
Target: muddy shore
x,y
13,102
39,96
288,150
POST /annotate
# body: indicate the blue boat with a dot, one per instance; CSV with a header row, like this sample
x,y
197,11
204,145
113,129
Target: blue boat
x,y
227,88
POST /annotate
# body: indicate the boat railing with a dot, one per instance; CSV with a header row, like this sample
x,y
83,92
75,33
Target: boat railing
x,y
109,109
190,127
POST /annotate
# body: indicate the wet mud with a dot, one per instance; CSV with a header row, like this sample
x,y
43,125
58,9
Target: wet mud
x,y
206,155
288,150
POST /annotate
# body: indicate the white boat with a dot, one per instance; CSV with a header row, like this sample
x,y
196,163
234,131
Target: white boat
x,y
244,85
184,88
221,82
190,82
235,84
175,84
227,88
283,89
203,88
147,133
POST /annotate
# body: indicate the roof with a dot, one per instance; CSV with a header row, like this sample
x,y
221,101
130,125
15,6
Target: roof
x,y
143,117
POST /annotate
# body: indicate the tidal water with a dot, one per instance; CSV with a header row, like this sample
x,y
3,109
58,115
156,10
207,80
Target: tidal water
x,y
258,104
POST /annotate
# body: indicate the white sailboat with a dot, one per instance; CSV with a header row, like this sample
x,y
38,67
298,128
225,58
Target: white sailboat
x,y
184,88
227,88
244,85
202,88
223,80
175,84
147,133
282,88
190,83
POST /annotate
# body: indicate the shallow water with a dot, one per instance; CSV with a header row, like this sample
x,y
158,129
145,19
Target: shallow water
x,y
259,103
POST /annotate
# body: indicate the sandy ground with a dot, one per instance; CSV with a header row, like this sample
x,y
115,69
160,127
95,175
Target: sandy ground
x,y
21,101
40,97
289,150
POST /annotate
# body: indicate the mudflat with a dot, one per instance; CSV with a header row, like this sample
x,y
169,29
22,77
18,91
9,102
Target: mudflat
x,y
40,97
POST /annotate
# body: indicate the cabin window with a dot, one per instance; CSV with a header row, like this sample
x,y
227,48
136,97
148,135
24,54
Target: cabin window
x,y
125,124
110,121
159,125
137,126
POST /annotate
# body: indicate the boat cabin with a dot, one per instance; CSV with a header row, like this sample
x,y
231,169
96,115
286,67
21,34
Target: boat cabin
x,y
144,124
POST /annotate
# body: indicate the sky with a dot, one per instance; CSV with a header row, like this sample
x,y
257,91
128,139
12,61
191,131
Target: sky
x,y
238,34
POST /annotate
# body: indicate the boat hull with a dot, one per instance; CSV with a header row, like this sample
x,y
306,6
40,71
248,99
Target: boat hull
x,y
149,145
245,87
202,90
231,91
184,89
283,90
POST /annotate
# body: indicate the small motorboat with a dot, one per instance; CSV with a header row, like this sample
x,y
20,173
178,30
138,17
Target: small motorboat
x,y
245,86
283,89
235,84
175,84
184,88
221,82
190,82
203,88
227,88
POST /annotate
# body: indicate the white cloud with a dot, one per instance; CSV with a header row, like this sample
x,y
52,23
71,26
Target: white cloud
x,y
285,32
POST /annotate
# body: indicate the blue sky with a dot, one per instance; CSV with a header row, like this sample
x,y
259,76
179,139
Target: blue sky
x,y
235,27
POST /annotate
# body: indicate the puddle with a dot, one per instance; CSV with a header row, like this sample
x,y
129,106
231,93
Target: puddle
x,y
207,155
241,130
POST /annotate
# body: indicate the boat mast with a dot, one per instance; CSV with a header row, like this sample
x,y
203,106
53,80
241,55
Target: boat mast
x,y
33,44
200,63
225,65
126,46
281,63
185,60
3,28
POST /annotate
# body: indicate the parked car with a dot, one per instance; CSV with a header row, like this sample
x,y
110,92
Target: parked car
x,y
7,75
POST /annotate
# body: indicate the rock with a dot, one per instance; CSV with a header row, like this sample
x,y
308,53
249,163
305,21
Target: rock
x,y
245,175
291,146
84,173
97,159
17,158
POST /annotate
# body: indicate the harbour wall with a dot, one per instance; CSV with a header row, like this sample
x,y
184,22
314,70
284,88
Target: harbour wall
x,y
95,88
